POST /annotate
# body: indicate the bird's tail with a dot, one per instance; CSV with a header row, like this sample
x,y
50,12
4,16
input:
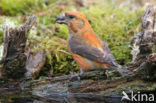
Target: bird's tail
x,y
123,71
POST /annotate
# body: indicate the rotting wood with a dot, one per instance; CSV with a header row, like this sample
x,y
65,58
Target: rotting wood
x,y
146,57
14,58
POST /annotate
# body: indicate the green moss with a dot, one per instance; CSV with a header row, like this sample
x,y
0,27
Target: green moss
x,y
62,31
17,7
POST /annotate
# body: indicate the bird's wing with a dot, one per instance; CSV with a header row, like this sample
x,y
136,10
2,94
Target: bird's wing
x,y
91,52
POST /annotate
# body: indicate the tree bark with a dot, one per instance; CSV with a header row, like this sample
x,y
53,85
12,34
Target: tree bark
x,y
14,58
148,24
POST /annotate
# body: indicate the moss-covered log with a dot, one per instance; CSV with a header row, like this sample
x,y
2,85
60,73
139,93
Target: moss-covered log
x,y
14,57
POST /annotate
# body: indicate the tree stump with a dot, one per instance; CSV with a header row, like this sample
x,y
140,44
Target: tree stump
x,y
14,57
146,41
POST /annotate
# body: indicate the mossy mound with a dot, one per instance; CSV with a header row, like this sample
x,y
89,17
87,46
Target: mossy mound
x,y
59,60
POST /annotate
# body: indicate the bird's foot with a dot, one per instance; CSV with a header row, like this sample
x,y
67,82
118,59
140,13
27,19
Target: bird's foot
x,y
76,76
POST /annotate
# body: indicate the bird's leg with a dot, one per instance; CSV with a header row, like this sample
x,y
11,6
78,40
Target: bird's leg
x,y
81,72
106,73
77,75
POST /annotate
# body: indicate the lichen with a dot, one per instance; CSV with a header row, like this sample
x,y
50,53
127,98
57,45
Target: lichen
x,y
1,51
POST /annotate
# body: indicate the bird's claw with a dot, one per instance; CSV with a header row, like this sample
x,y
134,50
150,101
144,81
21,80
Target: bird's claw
x,y
75,77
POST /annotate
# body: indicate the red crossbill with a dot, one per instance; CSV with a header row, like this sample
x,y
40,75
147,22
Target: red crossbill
x,y
87,49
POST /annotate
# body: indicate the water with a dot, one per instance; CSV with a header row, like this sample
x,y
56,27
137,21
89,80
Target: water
x,y
16,95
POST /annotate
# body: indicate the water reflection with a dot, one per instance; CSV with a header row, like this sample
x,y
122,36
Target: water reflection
x,y
27,96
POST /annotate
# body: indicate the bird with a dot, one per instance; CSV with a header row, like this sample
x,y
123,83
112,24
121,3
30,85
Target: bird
x,y
87,49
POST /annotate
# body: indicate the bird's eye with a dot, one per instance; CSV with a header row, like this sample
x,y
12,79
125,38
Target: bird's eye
x,y
71,16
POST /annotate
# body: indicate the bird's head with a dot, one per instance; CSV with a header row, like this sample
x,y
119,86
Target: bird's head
x,y
74,20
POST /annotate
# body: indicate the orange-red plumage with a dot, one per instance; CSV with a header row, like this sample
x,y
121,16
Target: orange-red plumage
x,y
82,62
